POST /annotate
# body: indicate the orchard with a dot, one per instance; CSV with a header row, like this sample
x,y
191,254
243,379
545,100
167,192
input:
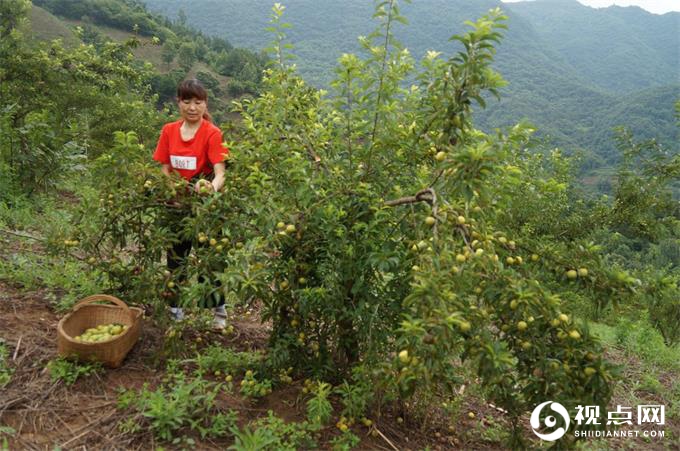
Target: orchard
x,y
368,225
395,253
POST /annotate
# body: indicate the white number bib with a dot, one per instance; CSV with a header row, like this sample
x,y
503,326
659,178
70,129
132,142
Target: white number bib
x,y
178,162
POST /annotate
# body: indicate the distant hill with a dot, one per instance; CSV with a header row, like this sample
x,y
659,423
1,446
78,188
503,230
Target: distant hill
x,y
598,43
573,70
618,49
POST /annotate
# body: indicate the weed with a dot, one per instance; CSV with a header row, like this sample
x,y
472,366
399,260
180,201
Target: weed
x,y
179,404
184,442
272,433
319,408
5,370
175,343
452,406
173,370
253,440
130,425
5,430
34,271
651,384
593,445
641,339
18,213
356,395
345,441
253,388
69,372
492,431
56,270
217,358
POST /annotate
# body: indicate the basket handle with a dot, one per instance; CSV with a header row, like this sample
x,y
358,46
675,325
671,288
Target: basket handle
x,y
105,297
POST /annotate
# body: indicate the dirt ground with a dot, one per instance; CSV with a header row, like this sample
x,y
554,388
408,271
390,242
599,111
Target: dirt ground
x,y
84,416
48,414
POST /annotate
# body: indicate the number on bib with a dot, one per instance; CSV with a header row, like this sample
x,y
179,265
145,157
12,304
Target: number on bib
x,y
178,162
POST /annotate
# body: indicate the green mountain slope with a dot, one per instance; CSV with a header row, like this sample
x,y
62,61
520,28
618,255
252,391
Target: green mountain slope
x,y
617,49
648,113
572,70
613,48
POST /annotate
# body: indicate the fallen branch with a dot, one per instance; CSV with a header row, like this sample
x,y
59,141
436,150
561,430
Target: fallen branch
x,y
65,409
86,429
16,351
386,439
10,403
75,438
22,235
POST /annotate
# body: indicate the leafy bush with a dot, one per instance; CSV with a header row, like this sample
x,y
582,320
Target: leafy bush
x,y
352,277
59,105
237,88
663,297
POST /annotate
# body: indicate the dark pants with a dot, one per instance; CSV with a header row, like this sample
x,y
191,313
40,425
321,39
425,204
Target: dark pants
x,y
177,256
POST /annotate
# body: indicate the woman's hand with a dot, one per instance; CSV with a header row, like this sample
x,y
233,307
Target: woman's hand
x,y
203,187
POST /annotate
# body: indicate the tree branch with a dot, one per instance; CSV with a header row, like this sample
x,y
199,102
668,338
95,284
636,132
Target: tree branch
x,y
426,195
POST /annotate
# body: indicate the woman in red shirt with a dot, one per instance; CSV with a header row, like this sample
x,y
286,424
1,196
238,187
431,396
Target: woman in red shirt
x,y
192,147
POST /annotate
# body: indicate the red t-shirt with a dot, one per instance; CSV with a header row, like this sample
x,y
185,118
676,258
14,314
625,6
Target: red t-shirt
x,y
193,157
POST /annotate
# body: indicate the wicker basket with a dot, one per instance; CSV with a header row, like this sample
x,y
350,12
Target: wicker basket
x,y
87,314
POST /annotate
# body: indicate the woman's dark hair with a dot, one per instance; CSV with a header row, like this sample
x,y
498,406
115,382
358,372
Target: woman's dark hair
x,y
193,89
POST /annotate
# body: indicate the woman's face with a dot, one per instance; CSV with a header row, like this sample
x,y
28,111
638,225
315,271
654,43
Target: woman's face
x,y
192,109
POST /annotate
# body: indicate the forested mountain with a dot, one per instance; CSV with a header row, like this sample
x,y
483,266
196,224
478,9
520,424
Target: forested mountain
x,y
617,49
574,71
174,49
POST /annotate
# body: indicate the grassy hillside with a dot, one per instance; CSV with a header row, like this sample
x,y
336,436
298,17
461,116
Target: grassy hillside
x,y
46,27
648,113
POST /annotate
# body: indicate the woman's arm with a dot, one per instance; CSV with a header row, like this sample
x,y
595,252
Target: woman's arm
x,y
218,181
167,169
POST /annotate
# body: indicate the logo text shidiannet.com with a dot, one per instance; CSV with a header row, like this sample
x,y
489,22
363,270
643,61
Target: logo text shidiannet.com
x,y
590,415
